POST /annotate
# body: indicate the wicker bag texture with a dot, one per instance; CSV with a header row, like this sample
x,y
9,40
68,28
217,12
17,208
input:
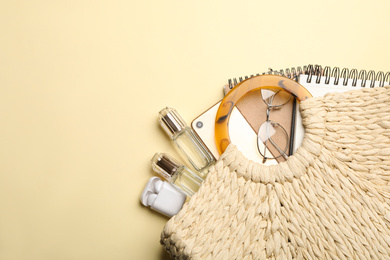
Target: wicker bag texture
x,y
330,200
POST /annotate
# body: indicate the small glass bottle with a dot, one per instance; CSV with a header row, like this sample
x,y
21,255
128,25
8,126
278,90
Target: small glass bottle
x,y
186,140
176,173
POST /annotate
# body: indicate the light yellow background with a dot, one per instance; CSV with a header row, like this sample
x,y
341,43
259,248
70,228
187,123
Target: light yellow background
x,y
81,85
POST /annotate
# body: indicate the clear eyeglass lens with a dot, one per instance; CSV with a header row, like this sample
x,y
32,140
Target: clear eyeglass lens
x,y
275,98
272,141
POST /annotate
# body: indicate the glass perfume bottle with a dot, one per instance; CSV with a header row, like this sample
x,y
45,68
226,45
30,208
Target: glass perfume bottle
x,y
186,140
176,173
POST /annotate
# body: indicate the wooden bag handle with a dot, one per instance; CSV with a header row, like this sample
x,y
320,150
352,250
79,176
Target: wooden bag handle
x,y
273,82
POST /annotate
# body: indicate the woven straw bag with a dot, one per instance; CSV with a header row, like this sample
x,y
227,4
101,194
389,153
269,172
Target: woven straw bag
x,y
330,200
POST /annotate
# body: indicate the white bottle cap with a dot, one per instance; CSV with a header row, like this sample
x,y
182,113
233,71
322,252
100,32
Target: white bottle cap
x,y
163,197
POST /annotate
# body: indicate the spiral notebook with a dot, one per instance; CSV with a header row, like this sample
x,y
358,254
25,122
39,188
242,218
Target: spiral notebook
x,y
250,113
320,81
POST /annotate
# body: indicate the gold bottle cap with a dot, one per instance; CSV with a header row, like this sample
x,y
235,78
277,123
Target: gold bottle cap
x,y
165,165
171,121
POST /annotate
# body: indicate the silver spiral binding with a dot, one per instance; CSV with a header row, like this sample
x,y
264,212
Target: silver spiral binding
x,y
317,72
346,75
292,73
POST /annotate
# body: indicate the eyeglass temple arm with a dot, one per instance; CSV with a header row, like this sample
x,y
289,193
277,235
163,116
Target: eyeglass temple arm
x,y
278,148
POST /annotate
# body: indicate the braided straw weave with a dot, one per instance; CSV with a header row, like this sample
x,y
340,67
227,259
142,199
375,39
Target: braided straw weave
x,y
330,200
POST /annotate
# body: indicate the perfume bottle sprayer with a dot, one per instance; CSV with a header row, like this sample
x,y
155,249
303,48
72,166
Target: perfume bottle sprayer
x,y
186,140
176,173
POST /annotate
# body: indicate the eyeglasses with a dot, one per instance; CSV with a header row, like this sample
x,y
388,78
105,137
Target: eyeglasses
x,y
273,140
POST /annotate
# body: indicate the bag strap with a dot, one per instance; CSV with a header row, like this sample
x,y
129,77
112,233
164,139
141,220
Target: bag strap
x,y
272,82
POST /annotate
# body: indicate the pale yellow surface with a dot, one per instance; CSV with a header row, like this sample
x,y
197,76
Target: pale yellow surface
x,y
81,84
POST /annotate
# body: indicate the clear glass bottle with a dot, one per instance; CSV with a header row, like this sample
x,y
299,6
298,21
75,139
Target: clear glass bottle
x,y
186,140
176,173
